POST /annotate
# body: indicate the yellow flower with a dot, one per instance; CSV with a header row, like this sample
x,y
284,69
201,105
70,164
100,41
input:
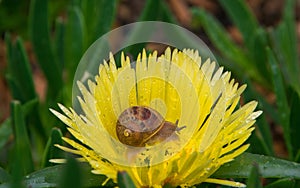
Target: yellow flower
x,y
203,100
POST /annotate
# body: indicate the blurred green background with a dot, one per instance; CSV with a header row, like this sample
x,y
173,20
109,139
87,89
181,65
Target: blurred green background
x,y
42,42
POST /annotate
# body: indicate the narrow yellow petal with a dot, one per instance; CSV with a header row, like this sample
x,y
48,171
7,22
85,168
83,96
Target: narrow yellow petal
x,y
225,182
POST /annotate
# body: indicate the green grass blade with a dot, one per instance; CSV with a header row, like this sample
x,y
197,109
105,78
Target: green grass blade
x,y
20,80
295,122
257,50
50,176
221,40
242,17
251,94
218,35
4,176
99,16
167,15
281,100
161,13
287,182
285,46
263,132
124,180
52,152
19,73
147,15
22,144
31,110
289,19
71,175
284,39
258,144
59,42
297,156
40,38
254,36
29,107
253,180
269,167
74,40
5,132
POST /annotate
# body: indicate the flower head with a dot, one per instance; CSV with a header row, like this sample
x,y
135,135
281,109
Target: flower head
x,y
199,126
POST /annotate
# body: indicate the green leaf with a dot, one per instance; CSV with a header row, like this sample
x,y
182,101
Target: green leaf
x,y
281,100
264,134
147,15
31,111
4,176
99,16
297,156
124,180
19,74
241,16
22,151
295,122
161,13
40,38
30,106
254,178
262,131
217,34
222,41
254,36
269,167
71,175
250,94
282,183
50,176
60,42
168,186
21,82
21,161
5,132
167,15
257,51
291,51
52,152
74,40
284,39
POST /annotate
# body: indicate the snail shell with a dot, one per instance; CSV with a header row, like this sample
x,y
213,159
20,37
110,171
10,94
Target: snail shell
x,y
139,126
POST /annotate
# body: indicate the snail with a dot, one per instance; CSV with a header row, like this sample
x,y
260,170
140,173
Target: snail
x,y
140,126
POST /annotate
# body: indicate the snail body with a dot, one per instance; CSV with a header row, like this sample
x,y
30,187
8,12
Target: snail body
x,y
139,126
